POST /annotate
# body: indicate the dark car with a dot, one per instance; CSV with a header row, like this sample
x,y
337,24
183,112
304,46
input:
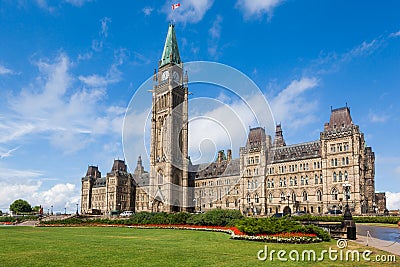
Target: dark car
x,y
299,213
334,212
278,215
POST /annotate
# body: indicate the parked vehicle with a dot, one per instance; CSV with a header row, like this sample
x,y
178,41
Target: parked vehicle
x,y
126,213
278,215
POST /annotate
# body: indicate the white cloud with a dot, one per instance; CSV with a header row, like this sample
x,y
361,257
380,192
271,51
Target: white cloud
x,y
6,154
394,34
291,107
257,8
104,26
377,118
191,11
78,3
53,107
4,70
215,34
393,200
147,10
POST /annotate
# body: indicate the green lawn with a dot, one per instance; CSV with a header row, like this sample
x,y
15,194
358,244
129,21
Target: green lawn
x,y
110,246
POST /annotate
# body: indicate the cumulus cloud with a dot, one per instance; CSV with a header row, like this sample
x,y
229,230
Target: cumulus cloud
x,y
291,106
191,11
257,8
55,108
393,200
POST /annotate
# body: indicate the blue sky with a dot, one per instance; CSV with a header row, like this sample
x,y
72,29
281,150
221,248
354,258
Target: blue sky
x,y
69,68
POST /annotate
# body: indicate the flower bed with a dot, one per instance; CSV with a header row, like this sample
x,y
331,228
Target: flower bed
x,y
237,234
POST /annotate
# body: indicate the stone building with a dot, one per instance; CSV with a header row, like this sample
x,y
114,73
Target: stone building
x,y
268,177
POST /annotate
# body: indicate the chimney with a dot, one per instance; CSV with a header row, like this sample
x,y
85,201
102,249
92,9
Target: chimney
x,y
229,155
220,156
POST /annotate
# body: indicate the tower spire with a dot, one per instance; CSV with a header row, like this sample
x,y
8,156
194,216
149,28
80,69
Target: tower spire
x,y
171,51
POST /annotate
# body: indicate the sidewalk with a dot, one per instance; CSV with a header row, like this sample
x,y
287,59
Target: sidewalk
x,y
389,246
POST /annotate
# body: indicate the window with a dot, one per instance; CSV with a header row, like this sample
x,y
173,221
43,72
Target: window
x,y
302,180
295,181
272,183
257,200
291,181
343,161
248,198
316,179
305,196
315,165
282,196
280,182
306,179
227,204
340,176
293,197
270,197
334,194
257,160
336,162
334,177
347,160
284,181
346,176
319,195
268,183
248,184
320,179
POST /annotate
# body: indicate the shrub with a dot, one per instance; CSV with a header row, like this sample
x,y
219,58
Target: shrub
x,y
270,226
218,217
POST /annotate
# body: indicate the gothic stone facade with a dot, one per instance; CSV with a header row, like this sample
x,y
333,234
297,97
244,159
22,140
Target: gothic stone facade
x,y
268,177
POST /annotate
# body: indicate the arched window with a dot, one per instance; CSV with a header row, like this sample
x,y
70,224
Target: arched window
x,y
280,182
284,181
334,177
272,183
302,180
291,181
334,194
256,199
319,195
268,183
340,176
316,179
306,179
270,197
347,160
248,184
248,198
295,180
320,179
346,176
305,196
343,161
160,178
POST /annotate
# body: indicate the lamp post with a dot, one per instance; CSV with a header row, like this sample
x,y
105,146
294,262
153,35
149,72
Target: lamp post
x,y
51,210
347,213
288,209
77,213
65,211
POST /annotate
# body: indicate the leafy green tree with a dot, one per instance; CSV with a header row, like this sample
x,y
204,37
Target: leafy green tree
x,y
36,208
20,205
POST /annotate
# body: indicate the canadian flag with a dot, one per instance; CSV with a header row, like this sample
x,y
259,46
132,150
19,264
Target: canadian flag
x,y
175,6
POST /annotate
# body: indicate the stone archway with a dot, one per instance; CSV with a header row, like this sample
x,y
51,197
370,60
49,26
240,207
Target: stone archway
x,y
287,210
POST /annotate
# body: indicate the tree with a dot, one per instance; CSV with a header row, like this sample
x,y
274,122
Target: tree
x,y
20,205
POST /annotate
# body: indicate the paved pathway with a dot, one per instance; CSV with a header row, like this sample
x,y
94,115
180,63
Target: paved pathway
x,y
28,223
389,246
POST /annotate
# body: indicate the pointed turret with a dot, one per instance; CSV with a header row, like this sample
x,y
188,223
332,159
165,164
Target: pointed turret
x,y
171,51
279,141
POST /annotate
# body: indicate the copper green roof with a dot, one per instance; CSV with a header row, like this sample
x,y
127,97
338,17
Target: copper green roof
x,y
171,51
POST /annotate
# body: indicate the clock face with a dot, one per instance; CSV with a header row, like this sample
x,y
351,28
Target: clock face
x,y
165,75
175,75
